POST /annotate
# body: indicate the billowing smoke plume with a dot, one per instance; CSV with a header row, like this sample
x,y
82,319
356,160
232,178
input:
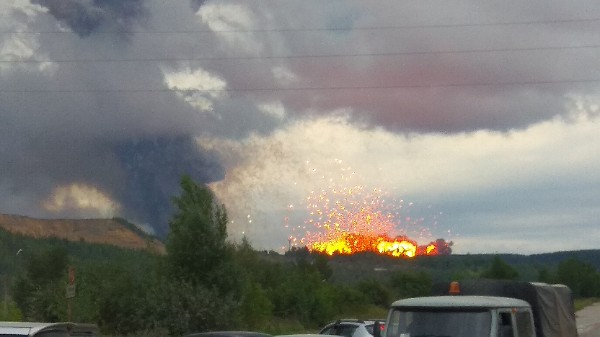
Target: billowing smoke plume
x,y
153,168
85,17
462,109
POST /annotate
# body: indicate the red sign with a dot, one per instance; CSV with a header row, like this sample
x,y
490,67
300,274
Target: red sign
x,y
71,275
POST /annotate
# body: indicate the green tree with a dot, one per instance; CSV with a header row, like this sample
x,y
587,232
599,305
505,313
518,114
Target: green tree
x,y
376,292
500,270
40,293
581,277
545,275
181,307
47,266
410,284
10,311
321,262
204,284
196,246
303,295
256,308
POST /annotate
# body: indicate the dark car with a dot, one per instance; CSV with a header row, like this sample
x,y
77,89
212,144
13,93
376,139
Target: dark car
x,y
229,334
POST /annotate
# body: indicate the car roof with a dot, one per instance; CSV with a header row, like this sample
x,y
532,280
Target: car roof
x,y
356,321
32,328
461,301
229,334
307,335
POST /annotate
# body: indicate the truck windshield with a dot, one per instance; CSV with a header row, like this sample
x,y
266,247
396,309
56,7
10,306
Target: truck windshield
x,y
438,322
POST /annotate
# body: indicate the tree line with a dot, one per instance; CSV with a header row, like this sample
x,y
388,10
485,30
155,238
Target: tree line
x,y
205,282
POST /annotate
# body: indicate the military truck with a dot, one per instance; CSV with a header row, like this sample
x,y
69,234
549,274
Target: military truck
x,y
486,308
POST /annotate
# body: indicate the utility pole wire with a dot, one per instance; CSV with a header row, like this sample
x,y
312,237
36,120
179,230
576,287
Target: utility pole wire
x,y
317,56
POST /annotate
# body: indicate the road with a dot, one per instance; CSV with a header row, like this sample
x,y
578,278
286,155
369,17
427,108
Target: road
x,y
588,321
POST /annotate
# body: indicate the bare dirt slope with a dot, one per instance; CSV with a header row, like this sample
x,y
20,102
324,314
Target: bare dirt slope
x,y
105,231
588,321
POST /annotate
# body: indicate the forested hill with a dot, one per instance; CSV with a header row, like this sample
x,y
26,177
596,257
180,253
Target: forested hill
x,y
355,268
115,231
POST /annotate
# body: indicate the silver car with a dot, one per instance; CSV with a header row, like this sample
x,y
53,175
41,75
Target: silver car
x,y
354,328
39,329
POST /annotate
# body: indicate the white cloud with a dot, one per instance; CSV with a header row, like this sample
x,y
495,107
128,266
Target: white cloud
x,y
227,20
486,160
18,46
266,174
82,199
284,75
275,109
197,87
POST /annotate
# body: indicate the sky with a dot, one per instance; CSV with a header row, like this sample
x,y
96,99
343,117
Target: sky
x,y
473,121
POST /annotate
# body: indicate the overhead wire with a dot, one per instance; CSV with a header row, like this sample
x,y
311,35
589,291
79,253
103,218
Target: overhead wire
x,y
311,88
322,29
315,56
270,57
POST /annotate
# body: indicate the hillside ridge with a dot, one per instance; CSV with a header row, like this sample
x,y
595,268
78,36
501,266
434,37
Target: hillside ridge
x,y
100,231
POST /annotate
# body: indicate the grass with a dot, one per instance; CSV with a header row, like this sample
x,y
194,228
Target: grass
x,y
581,303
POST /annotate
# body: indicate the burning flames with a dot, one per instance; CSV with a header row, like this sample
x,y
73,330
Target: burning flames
x,y
348,244
349,218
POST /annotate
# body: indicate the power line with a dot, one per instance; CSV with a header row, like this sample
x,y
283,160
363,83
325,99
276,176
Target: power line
x,y
220,58
323,29
310,88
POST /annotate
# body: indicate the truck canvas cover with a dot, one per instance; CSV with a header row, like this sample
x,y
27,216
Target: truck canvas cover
x,y
552,305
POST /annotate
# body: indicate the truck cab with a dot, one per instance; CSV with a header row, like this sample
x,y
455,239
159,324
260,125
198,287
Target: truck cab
x,y
486,308
460,316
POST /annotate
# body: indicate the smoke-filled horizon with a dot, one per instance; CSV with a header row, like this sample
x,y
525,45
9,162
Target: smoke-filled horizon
x,y
474,122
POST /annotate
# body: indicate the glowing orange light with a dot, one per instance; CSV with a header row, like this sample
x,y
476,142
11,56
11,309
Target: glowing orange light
x,y
454,288
347,244
350,218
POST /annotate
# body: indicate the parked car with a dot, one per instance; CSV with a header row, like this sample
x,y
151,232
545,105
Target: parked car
x,y
354,328
40,329
229,334
306,335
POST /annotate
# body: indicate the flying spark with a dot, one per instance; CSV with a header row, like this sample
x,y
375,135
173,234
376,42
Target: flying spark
x,y
349,217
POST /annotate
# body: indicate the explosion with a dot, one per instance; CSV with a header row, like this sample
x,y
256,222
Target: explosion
x,y
349,243
352,218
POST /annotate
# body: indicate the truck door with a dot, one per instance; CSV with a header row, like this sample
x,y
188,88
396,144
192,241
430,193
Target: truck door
x,y
505,324
524,323
515,323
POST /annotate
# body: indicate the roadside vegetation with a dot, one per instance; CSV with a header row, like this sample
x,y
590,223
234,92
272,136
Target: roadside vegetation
x,y
205,282
581,303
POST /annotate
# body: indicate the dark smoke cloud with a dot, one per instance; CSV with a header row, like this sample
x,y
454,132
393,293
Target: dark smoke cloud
x,y
85,17
153,168
196,4
114,128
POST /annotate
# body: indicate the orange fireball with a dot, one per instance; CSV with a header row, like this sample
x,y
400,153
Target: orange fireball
x,y
346,217
347,244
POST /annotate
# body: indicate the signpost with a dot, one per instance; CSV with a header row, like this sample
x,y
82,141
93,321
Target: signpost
x,y
70,293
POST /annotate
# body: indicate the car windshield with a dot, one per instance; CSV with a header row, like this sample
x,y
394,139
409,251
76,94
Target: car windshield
x,y
437,323
346,330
